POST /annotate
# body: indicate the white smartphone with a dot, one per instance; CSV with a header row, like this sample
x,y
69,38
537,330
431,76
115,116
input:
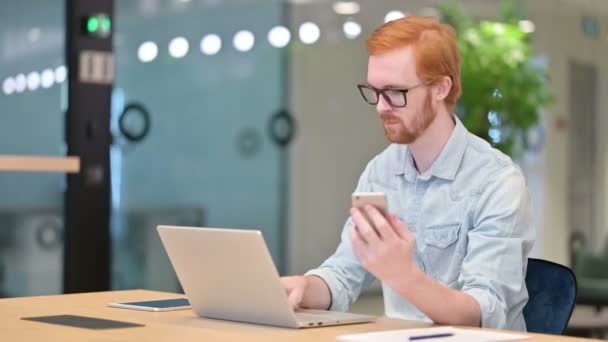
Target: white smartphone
x,y
377,199
155,305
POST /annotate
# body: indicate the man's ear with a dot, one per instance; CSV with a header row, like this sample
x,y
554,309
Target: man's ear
x,y
442,88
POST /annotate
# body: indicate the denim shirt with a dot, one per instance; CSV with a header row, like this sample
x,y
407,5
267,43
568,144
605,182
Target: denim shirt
x,y
470,215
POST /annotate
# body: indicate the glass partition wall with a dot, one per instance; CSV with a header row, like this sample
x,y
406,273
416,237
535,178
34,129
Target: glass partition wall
x,y
201,87
33,76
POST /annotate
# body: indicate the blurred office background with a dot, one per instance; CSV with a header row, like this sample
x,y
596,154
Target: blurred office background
x,y
245,114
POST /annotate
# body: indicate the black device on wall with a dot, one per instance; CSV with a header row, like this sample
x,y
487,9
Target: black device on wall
x,y
90,63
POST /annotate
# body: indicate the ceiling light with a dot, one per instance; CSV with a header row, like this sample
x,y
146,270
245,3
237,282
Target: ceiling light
x,y
279,36
346,7
243,41
178,47
8,85
211,44
351,29
393,15
147,52
47,78
33,80
309,33
20,83
60,74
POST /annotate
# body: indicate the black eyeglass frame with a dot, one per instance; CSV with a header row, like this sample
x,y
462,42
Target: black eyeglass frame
x,y
379,92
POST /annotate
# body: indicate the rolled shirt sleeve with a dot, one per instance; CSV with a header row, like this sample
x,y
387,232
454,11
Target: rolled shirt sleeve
x,y
342,272
493,271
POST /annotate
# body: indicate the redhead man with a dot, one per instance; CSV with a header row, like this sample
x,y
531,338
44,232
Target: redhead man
x,y
454,247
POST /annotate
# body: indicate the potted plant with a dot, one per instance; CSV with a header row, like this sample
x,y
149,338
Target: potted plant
x,y
502,90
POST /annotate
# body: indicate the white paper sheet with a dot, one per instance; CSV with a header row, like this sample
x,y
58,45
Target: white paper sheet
x,y
458,335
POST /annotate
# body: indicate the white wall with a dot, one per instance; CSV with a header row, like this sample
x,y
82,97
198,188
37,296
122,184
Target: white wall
x,y
560,38
338,133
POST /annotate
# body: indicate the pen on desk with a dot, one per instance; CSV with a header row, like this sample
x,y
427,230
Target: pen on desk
x,y
424,337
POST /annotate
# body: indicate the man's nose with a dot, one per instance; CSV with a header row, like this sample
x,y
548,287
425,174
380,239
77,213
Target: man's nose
x,y
382,106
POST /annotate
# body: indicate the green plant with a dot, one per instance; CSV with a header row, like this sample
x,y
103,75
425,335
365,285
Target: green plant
x,y
503,91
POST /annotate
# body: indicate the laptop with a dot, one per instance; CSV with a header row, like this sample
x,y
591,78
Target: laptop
x,y
229,274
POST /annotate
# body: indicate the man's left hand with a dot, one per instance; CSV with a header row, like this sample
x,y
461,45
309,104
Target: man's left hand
x,y
383,245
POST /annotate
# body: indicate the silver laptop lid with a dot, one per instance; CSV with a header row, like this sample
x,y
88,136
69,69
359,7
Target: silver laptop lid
x,y
228,274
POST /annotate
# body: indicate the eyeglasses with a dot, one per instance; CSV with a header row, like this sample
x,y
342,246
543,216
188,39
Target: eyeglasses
x,y
395,97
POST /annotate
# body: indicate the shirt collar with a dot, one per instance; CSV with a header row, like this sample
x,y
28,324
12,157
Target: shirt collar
x,y
445,166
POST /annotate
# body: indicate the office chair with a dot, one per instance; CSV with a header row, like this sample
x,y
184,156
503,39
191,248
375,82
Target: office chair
x,y
552,294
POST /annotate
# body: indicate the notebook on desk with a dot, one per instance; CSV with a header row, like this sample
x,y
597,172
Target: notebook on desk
x,y
229,274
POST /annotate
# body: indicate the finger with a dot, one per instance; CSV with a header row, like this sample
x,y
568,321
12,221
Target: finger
x,y
399,228
295,297
364,228
383,226
288,283
357,233
357,242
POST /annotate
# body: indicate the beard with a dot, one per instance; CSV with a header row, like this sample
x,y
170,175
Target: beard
x,y
397,132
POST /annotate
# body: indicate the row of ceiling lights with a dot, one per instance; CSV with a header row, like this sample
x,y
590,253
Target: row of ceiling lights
x,y
244,40
34,80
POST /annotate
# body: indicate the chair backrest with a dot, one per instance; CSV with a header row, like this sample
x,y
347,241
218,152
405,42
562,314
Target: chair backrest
x,y
552,294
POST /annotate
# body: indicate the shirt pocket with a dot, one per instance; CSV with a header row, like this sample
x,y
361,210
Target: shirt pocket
x,y
442,254
442,236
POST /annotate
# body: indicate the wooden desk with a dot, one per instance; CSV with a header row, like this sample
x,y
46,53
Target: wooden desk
x,y
171,326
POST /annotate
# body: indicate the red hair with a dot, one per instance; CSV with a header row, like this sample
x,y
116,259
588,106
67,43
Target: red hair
x,y
434,45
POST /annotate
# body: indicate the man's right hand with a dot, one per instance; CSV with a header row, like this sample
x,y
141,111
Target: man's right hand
x,y
295,287
309,292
